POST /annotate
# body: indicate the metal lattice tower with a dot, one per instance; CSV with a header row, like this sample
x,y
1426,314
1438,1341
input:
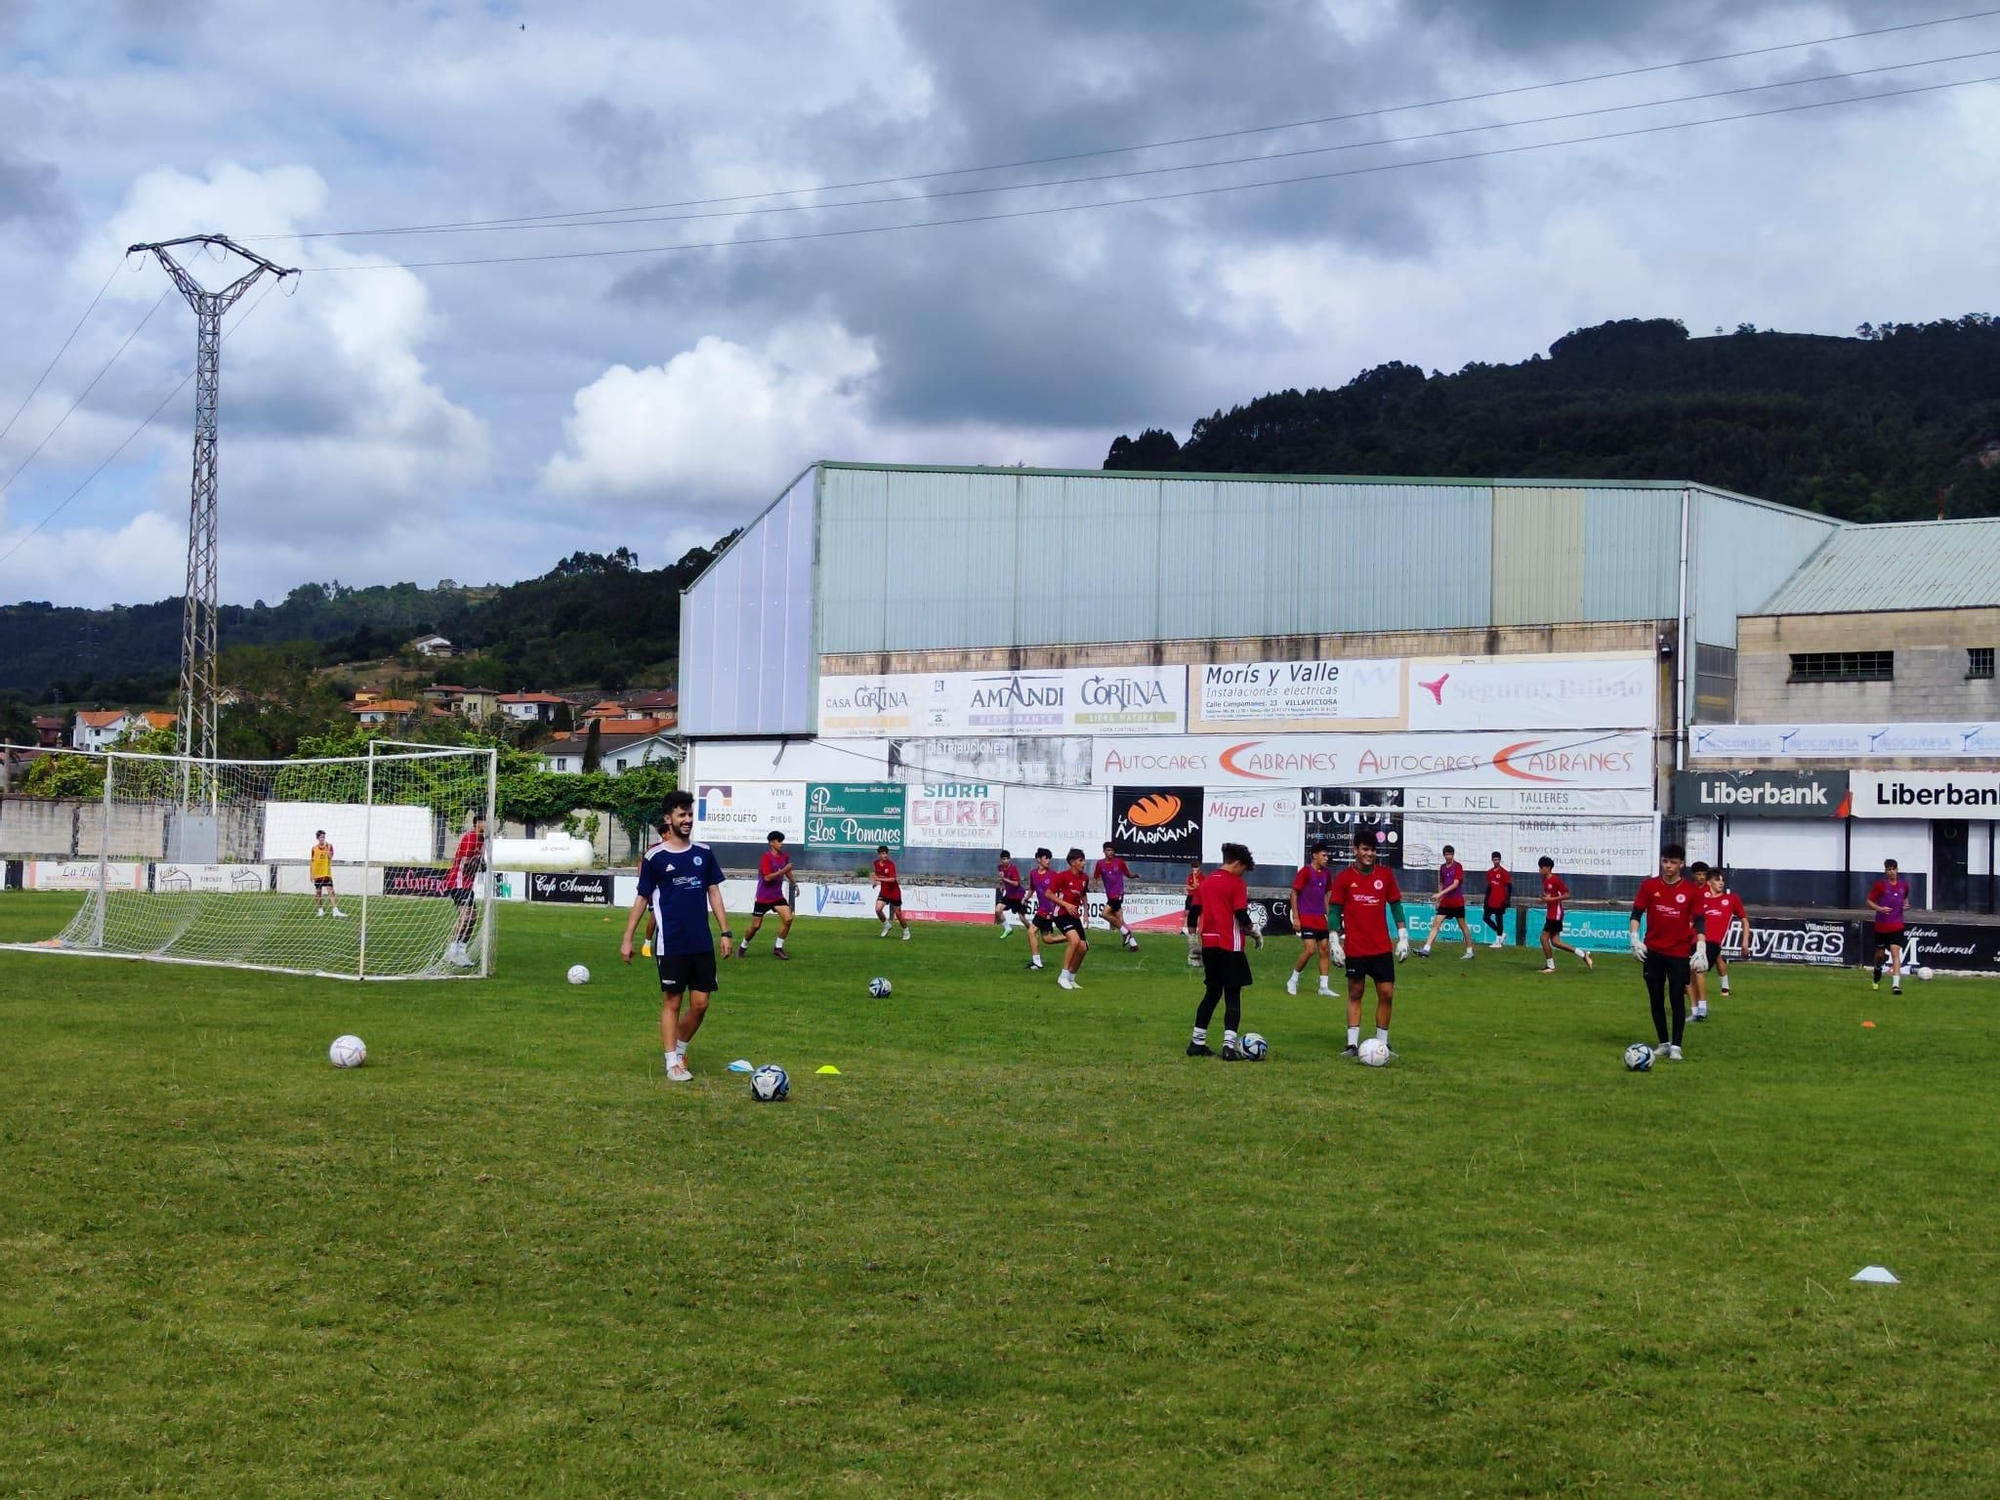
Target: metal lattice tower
x,y
196,734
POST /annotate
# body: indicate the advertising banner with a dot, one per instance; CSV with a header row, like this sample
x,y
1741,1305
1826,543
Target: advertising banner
x,y
1055,818
1534,801
1334,814
1250,697
1156,822
854,815
211,878
952,815
1051,760
1973,795
1760,794
410,880
1956,946
1784,940
1265,820
1579,846
1608,760
784,760
743,812
81,875
1844,741
574,888
1532,692
1051,700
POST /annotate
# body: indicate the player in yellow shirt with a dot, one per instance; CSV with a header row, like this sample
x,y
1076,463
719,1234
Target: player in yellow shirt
x,y
322,877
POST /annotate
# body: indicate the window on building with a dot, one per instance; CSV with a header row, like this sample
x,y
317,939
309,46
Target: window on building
x,y
1714,684
1843,666
1979,661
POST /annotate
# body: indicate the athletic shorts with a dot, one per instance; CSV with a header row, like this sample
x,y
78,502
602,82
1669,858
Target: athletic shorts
x,y
1498,911
1713,946
1065,923
1045,925
1313,930
765,908
461,895
1552,926
1451,909
1664,966
1222,966
688,971
1114,903
892,898
1018,907
322,882
1888,937
1380,967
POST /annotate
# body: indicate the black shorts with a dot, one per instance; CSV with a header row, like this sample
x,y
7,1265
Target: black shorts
x,y
1888,937
1114,903
765,908
1453,909
461,895
1045,925
1552,926
1714,949
1225,967
1664,967
894,903
1017,905
688,971
1314,934
1065,923
1380,967
324,883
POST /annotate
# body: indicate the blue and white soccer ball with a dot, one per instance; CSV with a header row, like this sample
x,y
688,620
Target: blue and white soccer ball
x,y
1252,1046
1639,1058
347,1052
769,1084
880,988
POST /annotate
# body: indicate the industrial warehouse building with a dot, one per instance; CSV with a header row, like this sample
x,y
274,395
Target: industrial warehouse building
x,y
955,660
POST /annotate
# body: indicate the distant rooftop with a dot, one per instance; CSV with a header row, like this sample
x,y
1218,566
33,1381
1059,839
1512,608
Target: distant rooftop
x,y
1896,565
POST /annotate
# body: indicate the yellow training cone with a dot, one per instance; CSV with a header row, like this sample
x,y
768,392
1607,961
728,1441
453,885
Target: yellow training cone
x,y
828,1068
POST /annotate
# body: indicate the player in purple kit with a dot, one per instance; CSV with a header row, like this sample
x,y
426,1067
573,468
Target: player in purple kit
x,y
1110,874
1451,904
1044,925
1889,898
1309,888
1010,897
775,888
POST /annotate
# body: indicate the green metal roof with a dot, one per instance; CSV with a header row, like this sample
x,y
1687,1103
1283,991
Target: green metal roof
x,y
1896,565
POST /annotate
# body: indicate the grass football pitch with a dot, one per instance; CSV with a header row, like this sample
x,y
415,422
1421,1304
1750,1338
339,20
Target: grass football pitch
x,y
1020,1245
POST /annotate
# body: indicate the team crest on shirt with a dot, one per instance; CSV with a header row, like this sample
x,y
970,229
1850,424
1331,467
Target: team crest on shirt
x,y
1378,885
1679,900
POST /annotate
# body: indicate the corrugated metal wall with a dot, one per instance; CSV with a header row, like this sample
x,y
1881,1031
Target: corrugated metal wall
x,y
747,657
1739,552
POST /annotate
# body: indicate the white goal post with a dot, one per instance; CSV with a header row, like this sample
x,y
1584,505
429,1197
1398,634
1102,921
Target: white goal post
x,y
213,862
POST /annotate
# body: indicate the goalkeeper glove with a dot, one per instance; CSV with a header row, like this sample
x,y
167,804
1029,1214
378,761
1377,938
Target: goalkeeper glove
x,y
1698,963
1402,944
1638,947
1338,949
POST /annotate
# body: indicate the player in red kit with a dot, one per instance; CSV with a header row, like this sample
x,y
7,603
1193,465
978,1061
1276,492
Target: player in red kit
x,y
462,885
1555,891
1224,902
1499,891
1192,923
1042,927
1450,905
1110,874
775,888
1010,897
1309,892
1670,909
1364,898
889,893
1068,893
1724,908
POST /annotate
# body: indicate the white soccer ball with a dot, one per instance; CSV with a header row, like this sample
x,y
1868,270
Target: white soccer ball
x,y
1260,918
578,974
1375,1052
1639,1058
880,988
347,1052
769,1084
1253,1046
1926,972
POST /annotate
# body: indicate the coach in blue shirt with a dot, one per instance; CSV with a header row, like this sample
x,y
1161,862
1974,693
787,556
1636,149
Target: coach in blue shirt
x,y
680,883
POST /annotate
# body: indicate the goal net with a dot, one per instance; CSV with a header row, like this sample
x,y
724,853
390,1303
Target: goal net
x,y
346,868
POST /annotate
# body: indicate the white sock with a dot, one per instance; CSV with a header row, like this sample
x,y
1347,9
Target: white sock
x,y
1201,1036
1354,1036
778,945
1228,1038
1549,967
669,1056
1382,1035
1725,986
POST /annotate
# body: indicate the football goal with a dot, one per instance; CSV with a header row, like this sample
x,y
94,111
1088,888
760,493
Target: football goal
x,y
361,867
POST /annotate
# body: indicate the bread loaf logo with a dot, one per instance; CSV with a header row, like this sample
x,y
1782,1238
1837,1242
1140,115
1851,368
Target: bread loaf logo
x,y
1154,810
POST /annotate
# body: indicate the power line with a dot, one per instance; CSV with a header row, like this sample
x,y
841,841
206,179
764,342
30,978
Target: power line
x,y
1230,161
60,352
81,396
588,215
145,422
1177,194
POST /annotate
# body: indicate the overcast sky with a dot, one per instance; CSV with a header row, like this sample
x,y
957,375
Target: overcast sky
x,y
479,422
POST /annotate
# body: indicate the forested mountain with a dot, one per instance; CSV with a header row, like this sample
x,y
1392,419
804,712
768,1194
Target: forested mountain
x,y
1882,426
593,619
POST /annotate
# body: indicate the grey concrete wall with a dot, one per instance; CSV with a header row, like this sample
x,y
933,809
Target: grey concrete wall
x,y
1930,682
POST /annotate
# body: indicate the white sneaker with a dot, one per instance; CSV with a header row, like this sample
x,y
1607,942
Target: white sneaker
x,y
1326,992
677,1071
459,959
1468,956
1670,1052
906,934
1131,945
1292,984
338,912
885,930
1063,981
320,911
1587,963
1499,942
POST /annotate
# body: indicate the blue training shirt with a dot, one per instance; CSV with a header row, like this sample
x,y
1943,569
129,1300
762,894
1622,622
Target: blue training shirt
x,y
675,885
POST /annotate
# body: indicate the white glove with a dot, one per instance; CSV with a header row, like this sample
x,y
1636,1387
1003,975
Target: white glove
x,y
1698,964
1402,944
1638,947
1339,949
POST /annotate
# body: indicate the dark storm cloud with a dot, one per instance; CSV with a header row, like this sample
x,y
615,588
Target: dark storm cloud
x,y
31,193
623,141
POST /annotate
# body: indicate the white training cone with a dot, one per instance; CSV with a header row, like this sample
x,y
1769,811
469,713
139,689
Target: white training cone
x,y
741,1065
1880,1275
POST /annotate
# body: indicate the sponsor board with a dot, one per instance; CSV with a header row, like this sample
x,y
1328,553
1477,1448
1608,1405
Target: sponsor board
x,y
1054,818
855,815
798,760
1761,794
82,875
1334,814
1265,820
581,888
508,885
1564,761
1156,822
1590,930
1956,946
1247,697
1844,741
1015,760
1783,940
743,812
1532,801
1972,795
1532,692
217,879
410,880
1038,701
1144,911
1579,846
952,815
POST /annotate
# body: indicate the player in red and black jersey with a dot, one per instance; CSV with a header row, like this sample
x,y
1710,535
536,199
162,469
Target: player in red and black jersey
x,y
1670,909
776,890
1555,891
889,893
1068,894
1010,896
1364,898
462,885
1223,902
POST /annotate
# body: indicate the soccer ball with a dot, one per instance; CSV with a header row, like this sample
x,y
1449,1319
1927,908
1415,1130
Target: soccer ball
x,y
1926,972
1639,1058
769,1084
578,974
1375,1052
880,988
347,1052
1259,917
1253,1046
